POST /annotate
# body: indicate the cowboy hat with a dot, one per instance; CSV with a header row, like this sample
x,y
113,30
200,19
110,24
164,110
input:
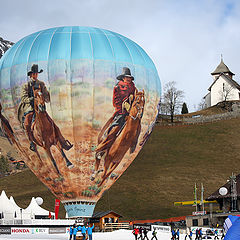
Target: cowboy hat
x,y
125,73
34,69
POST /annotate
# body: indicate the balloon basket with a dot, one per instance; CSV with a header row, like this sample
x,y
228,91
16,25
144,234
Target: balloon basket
x,y
76,209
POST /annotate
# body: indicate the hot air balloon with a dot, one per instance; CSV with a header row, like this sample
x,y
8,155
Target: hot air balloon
x,y
78,124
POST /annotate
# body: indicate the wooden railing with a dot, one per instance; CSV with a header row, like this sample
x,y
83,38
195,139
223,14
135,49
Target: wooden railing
x,y
115,226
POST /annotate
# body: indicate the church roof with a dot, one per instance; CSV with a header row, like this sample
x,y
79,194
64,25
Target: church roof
x,y
234,83
222,68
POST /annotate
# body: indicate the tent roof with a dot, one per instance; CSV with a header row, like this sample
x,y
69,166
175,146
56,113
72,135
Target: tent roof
x,y
34,208
5,204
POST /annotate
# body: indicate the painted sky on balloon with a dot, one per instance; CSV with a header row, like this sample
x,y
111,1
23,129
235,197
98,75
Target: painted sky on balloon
x,y
183,38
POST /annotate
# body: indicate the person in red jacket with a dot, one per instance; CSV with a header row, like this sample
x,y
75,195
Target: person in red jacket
x,y
135,233
123,96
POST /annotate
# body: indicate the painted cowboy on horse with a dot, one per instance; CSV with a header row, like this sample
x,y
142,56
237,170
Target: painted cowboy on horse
x,y
123,96
26,108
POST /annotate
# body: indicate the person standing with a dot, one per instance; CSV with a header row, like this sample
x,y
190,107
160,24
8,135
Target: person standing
x,y
135,233
216,234
145,231
154,235
190,235
71,231
173,234
84,230
89,231
140,233
200,234
197,234
75,230
177,234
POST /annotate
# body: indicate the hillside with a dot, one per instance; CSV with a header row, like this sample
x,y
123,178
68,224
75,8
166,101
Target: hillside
x,y
165,171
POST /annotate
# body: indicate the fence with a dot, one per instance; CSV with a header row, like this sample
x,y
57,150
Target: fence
x,y
37,222
115,226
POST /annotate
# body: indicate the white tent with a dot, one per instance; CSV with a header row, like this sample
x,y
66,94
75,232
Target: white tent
x,y
7,208
34,210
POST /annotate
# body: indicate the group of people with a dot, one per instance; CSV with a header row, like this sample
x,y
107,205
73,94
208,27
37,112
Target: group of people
x,y
86,231
141,233
175,234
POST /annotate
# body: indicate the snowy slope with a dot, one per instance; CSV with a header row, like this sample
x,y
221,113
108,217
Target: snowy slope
x,y
4,46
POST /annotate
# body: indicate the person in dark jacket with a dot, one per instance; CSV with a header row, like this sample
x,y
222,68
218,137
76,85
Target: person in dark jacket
x,y
140,233
154,235
197,234
145,231
177,234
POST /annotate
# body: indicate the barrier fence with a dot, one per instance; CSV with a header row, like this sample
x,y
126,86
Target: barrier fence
x,y
115,226
64,222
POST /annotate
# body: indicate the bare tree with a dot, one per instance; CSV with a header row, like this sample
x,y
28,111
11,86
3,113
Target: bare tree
x,y
172,99
201,105
226,93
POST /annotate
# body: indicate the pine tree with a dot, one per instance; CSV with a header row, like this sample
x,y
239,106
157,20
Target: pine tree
x,y
184,108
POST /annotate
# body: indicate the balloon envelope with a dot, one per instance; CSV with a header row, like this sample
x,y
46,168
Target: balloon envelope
x,y
80,66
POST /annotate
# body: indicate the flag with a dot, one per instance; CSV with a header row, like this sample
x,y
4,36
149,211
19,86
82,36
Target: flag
x,y
57,205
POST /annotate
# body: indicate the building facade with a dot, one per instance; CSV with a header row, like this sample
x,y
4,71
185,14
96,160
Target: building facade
x,y
223,88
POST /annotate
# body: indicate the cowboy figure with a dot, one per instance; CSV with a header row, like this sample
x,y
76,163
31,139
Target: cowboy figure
x,y
26,107
123,96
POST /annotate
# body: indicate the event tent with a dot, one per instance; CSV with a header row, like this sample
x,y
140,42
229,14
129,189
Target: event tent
x,y
10,210
35,211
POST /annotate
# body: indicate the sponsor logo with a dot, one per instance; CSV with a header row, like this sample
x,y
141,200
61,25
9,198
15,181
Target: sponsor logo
x,y
57,230
20,230
5,230
143,226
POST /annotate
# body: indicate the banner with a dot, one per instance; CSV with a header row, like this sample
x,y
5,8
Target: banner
x,y
5,230
57,205
159,228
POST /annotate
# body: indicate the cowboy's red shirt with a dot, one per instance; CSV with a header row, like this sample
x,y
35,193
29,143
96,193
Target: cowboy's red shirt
x,y
120,93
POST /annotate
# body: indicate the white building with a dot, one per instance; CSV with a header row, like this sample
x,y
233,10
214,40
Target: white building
x,y
223,88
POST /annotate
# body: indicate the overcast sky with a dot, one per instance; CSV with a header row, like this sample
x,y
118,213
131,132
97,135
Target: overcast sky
x,y
184,38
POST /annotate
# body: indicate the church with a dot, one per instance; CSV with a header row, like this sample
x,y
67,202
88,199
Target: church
x,y
223,87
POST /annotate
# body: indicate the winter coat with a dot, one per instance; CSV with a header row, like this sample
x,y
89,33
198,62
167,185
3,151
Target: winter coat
x,y
75,230
26,104
71,230
83,229
121,92
89,230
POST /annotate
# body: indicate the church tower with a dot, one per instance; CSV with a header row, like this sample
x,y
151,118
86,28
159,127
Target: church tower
x,y
222,68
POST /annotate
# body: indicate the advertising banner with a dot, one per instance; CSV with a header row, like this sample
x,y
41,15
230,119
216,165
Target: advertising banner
x,y
60,230
40,231
143,226
159,228
57,205
5,230
16,230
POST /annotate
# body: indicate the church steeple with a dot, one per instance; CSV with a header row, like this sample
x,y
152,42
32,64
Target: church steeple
x,y
222,68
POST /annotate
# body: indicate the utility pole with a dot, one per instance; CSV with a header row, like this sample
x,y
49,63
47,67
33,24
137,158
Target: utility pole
x,y
233,183
195,196
202,201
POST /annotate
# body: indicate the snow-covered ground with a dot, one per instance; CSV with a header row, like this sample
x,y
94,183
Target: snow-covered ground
x,y
116,235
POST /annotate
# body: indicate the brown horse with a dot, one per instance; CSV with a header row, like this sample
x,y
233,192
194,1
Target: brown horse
x,y
9,134
128,137
45,131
